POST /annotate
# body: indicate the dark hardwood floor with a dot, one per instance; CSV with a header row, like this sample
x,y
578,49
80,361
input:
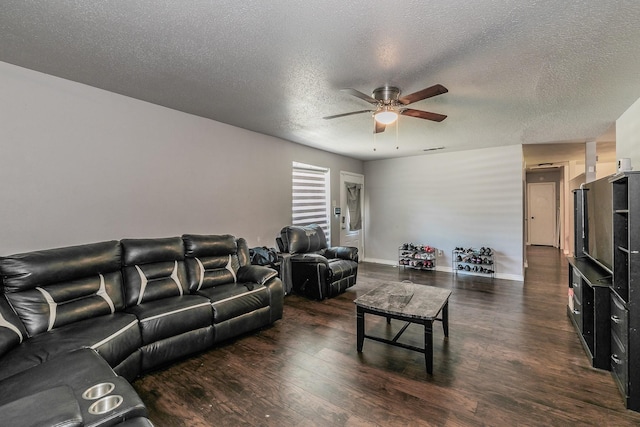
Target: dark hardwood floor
x,y
512,359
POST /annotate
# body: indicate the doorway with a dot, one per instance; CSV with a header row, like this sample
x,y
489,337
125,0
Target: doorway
x,y
542,214
352,211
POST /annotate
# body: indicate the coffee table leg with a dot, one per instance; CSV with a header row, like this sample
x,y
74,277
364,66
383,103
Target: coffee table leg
x,y
428,345
445,319
360,328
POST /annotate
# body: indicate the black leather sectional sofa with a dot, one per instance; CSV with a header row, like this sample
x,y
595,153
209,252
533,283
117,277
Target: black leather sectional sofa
x,y
78,323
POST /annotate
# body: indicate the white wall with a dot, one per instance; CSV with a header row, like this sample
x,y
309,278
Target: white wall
x,y
80,165
628,135
469,198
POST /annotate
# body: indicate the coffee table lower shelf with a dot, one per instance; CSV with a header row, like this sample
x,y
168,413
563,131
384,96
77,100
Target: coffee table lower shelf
x,y
427,350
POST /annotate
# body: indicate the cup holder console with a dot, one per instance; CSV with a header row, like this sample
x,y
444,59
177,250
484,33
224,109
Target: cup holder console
x,y
109,399
105,404
97,391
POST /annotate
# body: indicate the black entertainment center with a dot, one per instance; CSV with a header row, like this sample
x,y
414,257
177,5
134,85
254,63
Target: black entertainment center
x,y
604,278
589,279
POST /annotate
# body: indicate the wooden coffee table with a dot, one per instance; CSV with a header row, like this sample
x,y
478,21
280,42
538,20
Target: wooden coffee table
x,y
411,303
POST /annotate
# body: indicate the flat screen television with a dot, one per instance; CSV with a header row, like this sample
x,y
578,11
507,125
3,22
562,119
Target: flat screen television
x,y
598,223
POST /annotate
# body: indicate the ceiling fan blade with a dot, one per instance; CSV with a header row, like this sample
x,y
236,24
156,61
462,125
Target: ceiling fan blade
x,y
380,127
423,94
424,115
347,114
360,95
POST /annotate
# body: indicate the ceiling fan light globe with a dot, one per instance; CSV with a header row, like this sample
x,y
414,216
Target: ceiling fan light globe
x,y
386,117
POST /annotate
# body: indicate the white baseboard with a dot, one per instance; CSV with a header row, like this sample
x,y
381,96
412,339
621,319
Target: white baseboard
x,y
449,269
381,261
514,277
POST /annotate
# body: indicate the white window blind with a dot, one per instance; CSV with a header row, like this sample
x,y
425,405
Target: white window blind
x,y
311,196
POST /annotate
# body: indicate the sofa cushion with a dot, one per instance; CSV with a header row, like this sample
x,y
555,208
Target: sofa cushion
x,y
309,238
212,260
78,369
153,269
52,288
212,271
147,251
114,337
172,316
234,299
144,283
209,244
12,332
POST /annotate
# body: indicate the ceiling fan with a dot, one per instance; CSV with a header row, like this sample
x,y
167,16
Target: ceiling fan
x,y
388,105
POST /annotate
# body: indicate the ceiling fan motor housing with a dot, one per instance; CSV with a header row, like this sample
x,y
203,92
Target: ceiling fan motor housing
x,y
387,94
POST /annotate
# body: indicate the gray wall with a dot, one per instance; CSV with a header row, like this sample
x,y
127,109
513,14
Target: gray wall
x,y
79,165
469,198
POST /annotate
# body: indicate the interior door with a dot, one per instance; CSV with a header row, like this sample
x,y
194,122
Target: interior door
x,y
351,236
542,213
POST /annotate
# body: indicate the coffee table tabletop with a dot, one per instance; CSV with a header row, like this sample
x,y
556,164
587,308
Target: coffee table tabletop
x,y
425,302
408,302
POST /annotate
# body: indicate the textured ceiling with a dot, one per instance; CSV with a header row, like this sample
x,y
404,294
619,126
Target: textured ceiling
x,y
517,71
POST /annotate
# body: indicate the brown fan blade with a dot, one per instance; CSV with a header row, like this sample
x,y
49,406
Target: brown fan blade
x,y
361,95
347,114
423,94
424,115
380,127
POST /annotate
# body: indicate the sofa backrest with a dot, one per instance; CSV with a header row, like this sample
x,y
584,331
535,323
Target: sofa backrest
x,y
55,287
153,269
213,260
302,239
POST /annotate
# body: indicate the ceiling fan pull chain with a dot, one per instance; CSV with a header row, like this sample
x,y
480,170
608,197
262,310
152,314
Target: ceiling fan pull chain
x,y
375,136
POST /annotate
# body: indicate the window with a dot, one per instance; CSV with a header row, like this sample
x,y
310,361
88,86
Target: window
x,y
311,197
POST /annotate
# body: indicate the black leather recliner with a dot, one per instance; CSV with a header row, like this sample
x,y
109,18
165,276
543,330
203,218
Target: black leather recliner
x,y
317,271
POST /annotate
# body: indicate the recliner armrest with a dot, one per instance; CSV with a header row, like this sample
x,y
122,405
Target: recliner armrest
x,y
343,252
256,274
310,258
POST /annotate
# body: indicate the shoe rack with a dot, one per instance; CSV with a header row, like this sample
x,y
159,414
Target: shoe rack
x,y
420,257
477,261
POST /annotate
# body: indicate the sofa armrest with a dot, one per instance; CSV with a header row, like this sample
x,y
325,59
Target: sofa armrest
x,y
343,252
256,274
56,406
